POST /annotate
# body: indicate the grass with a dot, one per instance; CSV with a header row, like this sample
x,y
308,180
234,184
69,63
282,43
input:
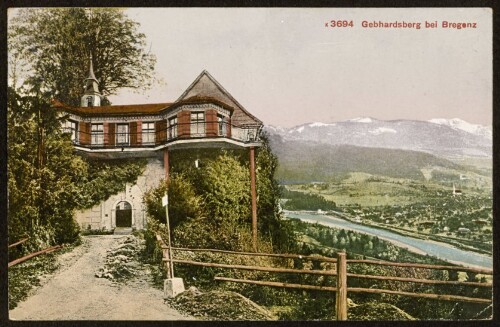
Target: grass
x,y
407,204
26,276
369,190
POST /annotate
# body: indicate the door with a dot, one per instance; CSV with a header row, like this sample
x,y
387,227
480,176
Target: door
x,y
123,214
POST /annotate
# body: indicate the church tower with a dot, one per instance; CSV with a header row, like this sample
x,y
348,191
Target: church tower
x,y
92,96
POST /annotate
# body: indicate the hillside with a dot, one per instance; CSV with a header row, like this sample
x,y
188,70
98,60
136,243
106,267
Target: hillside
x,y
302,161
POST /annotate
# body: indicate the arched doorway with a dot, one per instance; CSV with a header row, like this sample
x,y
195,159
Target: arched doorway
x,y
123,214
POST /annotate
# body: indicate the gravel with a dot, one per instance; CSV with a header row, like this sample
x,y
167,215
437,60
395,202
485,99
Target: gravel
x,y
74,293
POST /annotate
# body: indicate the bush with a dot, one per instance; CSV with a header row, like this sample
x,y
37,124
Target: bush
x,y
183,203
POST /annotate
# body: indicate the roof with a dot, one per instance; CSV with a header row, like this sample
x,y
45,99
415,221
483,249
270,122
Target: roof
x,y
117,110
136,109
204,89
91,70
206,86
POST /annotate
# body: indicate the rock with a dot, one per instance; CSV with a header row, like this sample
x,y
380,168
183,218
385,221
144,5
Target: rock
x,y
125,252
193,290
126,246
216,305
350,303
130,240
121,261
122,257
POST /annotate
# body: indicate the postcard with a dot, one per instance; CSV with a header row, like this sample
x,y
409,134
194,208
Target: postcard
x,y
268,164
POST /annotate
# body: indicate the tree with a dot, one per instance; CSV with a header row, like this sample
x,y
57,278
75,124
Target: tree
x,y
271,223
42,185
183,203
47,181
56,43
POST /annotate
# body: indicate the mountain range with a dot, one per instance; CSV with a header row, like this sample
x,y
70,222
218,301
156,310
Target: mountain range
x,y
442,137
397,148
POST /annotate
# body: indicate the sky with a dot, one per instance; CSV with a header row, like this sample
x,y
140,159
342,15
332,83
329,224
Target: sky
x,y
287,68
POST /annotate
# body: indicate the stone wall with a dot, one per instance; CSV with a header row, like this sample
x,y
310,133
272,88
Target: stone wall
x,y
103,215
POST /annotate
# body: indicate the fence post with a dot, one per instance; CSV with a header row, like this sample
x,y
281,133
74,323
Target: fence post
x,y
341,299
167,259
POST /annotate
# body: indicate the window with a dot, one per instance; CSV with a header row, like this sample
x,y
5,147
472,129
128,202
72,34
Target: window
x,y
148,133
172,128
197,124
97,134
71,127
89,102
122,135
221,122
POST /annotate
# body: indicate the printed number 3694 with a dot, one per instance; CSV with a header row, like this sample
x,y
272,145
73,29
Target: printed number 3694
x,y
340,23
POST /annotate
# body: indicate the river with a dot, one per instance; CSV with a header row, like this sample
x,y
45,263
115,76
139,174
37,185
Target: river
x,y
437,249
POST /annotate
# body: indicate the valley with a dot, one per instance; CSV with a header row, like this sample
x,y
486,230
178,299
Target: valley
x,y
422,209
424,179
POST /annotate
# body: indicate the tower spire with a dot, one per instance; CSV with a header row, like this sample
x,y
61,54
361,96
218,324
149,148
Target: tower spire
x,y
92,96
91,69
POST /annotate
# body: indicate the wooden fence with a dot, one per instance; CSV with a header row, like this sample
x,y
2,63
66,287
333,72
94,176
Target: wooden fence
x,y
341,262
31,255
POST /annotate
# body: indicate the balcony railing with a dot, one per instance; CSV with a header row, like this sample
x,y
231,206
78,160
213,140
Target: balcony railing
x,y
152,138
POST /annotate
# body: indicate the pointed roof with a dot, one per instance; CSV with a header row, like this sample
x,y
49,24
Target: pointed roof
x,y
205,86
91,83
91,70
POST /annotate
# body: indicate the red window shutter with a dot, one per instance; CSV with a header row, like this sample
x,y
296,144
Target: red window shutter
x,y
161,131
84,133
228,127
133,133
139,132
211,122
184,119
111,131
81,133
106,133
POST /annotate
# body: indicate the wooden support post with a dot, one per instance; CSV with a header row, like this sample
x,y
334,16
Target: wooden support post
x,y
170,255
341,301
167,261
254,198
166,258
166,164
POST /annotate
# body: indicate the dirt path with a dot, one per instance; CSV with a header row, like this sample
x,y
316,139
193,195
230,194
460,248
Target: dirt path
x,y
74,293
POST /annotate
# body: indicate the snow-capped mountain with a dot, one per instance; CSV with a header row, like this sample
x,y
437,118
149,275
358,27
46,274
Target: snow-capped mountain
x,y
437,136
459,124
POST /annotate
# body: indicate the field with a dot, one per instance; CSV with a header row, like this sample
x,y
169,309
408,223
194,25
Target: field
x,y
426,208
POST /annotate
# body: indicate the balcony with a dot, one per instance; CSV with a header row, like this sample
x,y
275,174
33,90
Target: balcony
x,y
207,134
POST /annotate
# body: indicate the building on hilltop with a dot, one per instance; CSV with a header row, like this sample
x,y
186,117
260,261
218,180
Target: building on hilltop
x,y
456,191
204,116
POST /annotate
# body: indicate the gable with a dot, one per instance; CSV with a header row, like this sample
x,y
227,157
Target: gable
x,y
205,86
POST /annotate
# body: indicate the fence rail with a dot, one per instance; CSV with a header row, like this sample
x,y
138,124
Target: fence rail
x,y
259,254
135,137
425,266
32,255
341,263
256,268
277,284
18,242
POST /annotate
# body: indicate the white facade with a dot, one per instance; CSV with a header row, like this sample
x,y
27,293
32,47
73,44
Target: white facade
x,y
103,215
